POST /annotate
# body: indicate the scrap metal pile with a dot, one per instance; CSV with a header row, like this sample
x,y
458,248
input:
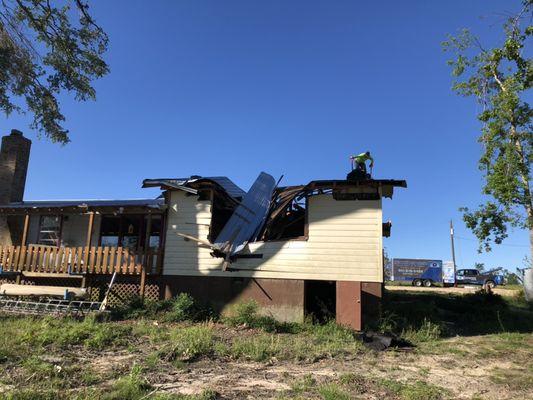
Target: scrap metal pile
x,y
50,300
48,306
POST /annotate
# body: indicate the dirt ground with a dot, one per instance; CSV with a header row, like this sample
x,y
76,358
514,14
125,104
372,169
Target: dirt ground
x,y
274,379
458,347
457,290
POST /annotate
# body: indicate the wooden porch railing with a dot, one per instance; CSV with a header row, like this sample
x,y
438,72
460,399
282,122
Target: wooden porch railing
x,y
80,260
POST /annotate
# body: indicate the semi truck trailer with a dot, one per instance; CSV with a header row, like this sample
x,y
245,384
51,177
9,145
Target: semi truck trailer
x,y
422,272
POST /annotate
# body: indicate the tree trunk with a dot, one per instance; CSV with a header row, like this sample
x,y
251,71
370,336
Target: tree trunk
x,y
531,246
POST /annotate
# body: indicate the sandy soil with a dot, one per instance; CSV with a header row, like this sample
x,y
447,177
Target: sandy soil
x,y
459,290
253,380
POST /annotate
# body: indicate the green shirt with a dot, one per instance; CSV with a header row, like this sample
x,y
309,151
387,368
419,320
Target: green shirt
x,y
362,158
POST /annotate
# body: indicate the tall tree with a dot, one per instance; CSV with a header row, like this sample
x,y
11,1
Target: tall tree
x,y
46,49
499,78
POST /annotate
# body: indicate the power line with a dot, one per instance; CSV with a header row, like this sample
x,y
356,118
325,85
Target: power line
x,y
500,244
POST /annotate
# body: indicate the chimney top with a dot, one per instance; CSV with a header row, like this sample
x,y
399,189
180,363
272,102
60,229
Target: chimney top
x,y
16,132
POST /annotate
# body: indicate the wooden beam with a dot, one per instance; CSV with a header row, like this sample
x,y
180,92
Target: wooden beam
x,y
25,231
144,260
189,237
87,249
9,289
90,230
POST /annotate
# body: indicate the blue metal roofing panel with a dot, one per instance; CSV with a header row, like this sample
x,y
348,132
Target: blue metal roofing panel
x,y
183,184
89,203
228,185
247,217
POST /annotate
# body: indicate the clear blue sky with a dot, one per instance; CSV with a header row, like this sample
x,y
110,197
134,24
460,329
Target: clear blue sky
x,y
288,87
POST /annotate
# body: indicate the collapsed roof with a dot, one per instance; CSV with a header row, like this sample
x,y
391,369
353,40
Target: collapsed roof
x,y
191,184
266,212
287,210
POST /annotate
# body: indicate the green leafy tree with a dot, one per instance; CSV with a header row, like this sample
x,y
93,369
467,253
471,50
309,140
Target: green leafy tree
x,y
479,266
499,78
46,49
511,278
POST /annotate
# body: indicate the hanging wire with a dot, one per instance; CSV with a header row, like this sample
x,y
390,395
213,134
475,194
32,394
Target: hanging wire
x,y
501,244
459,252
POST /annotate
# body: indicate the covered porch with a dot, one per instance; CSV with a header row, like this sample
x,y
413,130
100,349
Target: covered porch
x,y
83,238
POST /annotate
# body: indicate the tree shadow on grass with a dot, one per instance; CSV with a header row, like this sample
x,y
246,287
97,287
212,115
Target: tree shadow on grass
x,y
470,314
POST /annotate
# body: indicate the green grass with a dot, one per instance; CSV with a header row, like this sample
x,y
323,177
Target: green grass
x,y
247,314
517,379
50,358
332,391
426,316
36,334
418,390
179,309
357,386
189,343
312,343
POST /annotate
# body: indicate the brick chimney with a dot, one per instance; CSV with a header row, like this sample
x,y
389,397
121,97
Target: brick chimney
x,y
14,158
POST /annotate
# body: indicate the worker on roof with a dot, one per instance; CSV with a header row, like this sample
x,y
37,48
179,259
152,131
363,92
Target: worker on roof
x,y
360,162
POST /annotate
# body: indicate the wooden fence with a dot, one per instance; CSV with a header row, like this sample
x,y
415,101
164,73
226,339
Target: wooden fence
x,y
80,260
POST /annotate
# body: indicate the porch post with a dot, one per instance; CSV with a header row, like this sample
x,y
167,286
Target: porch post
x,y
90,230
22,251
25,231
146,251
87,249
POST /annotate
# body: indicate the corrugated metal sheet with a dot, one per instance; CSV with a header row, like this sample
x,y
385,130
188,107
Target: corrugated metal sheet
x,y
247,217
229,186
90,203
183,184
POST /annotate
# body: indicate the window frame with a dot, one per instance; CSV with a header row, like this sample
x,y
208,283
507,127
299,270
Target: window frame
x,y
59,233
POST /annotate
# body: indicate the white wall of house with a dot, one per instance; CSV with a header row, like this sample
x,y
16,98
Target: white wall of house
x,y
344,243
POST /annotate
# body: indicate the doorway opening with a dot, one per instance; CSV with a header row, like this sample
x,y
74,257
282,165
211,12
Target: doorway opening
x,y
320,300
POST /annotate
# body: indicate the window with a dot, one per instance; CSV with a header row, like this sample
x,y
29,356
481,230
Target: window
x,y
50,230
110,231
129,231
155,231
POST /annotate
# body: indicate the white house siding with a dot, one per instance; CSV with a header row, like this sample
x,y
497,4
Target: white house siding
x,y
345,243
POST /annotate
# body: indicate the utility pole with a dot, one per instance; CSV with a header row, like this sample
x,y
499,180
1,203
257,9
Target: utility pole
x,y
453,256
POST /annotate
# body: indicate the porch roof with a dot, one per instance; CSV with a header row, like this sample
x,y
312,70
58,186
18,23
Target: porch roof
x,y
83,206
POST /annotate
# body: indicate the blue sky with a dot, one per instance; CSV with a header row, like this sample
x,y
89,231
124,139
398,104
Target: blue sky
x,y
289,87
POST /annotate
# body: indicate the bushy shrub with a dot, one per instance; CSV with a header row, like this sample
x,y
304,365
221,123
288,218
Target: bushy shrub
x,y
138,308
243,313
427,332
247,314
181,308
186,308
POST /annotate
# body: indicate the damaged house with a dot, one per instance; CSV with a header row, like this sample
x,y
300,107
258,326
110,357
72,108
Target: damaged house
x,y
309,249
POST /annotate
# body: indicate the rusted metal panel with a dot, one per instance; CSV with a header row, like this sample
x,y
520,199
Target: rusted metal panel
x,y
349,305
